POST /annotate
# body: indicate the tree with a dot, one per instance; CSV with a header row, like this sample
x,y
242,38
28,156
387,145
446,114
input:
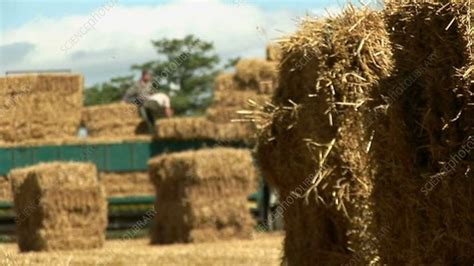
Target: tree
x,y
185,70
107,92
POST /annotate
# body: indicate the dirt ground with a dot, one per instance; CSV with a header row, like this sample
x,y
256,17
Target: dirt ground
x,y
264,249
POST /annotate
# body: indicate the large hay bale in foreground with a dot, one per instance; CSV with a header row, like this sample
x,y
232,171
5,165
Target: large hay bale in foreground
x,y
316,143
427,200
257,75
124,184
113,120
40,106
59,206
202,195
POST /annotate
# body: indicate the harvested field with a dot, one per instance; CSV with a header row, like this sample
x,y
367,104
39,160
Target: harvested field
x,y
59,206
202,195
264,249
126,184
427,200
113,120
40,106
316,140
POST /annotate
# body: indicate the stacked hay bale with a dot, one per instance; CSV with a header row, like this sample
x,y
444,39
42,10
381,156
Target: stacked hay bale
x,y
5,189
40,106
251,84
201,195
274,52
123,184
427,200
316,143
59,206
113,120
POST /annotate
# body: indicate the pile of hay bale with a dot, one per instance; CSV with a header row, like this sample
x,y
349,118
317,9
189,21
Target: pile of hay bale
x,y
201,195
122,184
5,189
113,120
316,144
59,206
368,137
427,199
40,106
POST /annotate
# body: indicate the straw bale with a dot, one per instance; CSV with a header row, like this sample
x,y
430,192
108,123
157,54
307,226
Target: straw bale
x,y
77,141
126,184
5,189
201,195
195,128
113,120
223,114
59,206
427,200
40,106
257,75
274,52
232,98
315,141
224,82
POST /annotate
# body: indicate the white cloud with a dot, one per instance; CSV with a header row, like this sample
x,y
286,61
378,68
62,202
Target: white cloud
x,y
122,36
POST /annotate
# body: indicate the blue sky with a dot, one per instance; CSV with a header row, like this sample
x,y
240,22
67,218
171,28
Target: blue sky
x,y
34,34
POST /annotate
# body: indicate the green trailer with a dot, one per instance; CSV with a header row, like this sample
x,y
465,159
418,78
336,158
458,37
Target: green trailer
x,y
110,157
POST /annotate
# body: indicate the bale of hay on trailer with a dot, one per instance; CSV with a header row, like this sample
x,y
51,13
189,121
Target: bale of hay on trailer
x,y
5,189
427,200
122,184
316,144
257,75
40,106
237,98
113,120
59,206
274,52
202,195
201,128
224,82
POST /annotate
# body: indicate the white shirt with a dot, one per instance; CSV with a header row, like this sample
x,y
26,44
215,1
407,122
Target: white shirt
x,y
162,99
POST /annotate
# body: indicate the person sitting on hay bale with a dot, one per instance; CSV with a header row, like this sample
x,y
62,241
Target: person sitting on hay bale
x,y
151,105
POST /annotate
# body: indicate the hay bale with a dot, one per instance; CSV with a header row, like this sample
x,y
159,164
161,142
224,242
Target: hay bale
x,y
428,199
202,195
257,75
224,82
59,206
5,189
200,128
236,98
40,106
315,142
223,114
126,184
274,52
113,120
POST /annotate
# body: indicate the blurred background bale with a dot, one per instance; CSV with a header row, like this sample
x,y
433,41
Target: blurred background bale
x,y
202,195
40,106
113,120
59,206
